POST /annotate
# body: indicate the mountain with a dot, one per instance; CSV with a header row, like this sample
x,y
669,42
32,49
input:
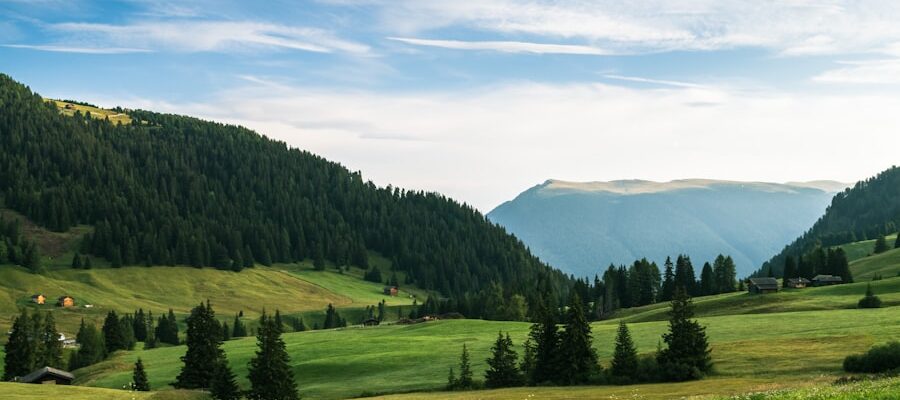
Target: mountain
x,y
871,208
174,190
583,227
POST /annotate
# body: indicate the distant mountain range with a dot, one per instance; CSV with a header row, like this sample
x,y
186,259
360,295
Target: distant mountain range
x,y
583,227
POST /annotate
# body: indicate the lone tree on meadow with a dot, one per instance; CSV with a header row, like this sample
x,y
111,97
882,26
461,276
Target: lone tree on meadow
x,y
204,341
270,375
870,300
625,359
687,354
502,366
139,380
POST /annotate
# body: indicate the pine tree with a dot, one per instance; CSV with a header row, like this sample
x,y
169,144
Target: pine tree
x,y
19,355
51,347
790,270
140,326
87,263
687,354
139,380
226,333
451,380
91,348
578,359
881,245
870,300
113,336
238,329
668,285
625,361
707,280
76,261
546,350
204,341
502,366
464,381
270,375
224,384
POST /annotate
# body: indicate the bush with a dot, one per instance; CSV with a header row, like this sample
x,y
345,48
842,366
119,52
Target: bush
x,y
870,300
878,359
679,372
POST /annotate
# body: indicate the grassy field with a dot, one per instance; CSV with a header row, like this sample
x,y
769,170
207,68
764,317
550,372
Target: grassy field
x,y
886,265
14,391
98,113
864,248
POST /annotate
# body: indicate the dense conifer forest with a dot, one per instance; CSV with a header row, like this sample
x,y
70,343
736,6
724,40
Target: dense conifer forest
x,y
174,190
868,210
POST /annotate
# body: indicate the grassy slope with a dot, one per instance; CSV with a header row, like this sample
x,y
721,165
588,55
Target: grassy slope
x,y
98,113
747,349
886,265
22,391
858,250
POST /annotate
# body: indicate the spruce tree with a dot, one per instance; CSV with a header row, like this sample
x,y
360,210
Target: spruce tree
x,y
451,380
578,361
76,261
226,332
224,384
140,326
707,280
546,351
91,348
139,380
19,355
668,285
238,329
881,245
625,360
686,356
870,300
204,341
51,348
270,373
113,336
464,381
502,368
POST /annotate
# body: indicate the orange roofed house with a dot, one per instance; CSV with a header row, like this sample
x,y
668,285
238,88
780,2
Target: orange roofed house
x,y
66,301
38,299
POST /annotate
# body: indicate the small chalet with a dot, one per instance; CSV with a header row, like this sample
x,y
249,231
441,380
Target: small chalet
x,y
798,283
48,376
762,285
825,280
391,291
38,299
371,322
70,106
66,301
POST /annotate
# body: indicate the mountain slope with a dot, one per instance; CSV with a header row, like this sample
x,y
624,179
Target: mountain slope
x,y
581,227
869,209
174,190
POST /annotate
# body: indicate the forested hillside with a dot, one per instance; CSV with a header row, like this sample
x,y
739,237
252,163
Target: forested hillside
x,y
174,190
868,210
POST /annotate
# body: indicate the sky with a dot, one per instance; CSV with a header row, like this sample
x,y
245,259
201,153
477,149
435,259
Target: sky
x,y
481,100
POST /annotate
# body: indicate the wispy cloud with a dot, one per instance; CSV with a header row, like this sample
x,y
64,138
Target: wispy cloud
x,y
196,36
506,46
863,72
81,50
654,81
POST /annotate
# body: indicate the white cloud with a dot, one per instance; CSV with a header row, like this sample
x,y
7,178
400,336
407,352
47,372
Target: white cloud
x,y
798,27
654,81
506,46
81,50
485,145
864,72
197,36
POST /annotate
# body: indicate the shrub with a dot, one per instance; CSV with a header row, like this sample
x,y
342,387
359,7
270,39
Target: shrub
x,y
870,300
878,359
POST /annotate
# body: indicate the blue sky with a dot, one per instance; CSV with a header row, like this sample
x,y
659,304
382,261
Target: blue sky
x,y
480,100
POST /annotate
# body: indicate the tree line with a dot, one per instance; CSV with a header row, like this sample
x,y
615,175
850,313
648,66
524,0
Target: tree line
x,y
174,190
820,261
565,357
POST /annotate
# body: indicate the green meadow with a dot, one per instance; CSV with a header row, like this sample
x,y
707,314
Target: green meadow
x,y
97,113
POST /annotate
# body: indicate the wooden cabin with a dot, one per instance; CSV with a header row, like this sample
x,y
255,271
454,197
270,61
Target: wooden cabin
x,y
48,376
762,285
798,283
371,322
70,106
825,280
66,301
38,299
391,291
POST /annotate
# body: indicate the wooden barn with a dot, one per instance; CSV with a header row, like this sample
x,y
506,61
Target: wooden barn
x,y
798,283
48,376
825,280
762,285
66,301
38,299
371,322
391,291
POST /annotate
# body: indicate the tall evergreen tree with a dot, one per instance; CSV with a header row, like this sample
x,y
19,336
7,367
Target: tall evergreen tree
x,y
140,326
238,329
502,369
465,380
204,341
707,280
881,245
19,355
51,347
578,361
270,374
113,336
91,348
224,384
139,380
625,361
790,270
668,285
76,261
546,351
686,356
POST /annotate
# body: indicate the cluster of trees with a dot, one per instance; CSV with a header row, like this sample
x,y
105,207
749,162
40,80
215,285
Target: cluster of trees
x,y
867,210
33,343
881,244
173,190
14,249
206,366
820,261
566,357
333,319
641,283
884,358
